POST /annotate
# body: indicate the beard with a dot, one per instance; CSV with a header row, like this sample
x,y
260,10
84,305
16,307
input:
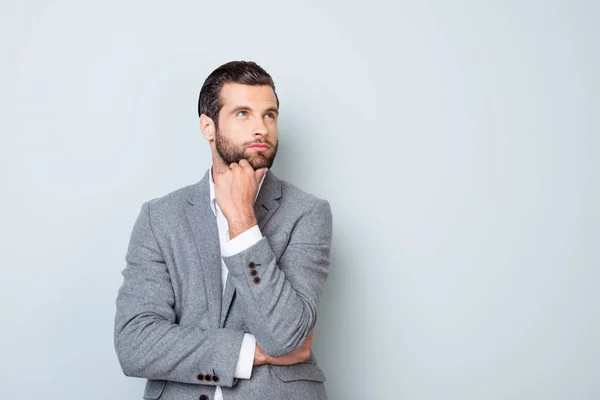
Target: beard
x,y
233,153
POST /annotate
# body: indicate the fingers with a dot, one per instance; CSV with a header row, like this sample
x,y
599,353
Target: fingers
x,y
244,165
308,341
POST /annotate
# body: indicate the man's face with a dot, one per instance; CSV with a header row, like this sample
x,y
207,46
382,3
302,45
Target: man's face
x,y
248,117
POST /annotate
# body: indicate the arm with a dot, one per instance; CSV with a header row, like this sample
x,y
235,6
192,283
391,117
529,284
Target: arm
x,y
148,341
281,308
251,353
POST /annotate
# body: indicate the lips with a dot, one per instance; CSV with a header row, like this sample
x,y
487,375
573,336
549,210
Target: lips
x,y
259,147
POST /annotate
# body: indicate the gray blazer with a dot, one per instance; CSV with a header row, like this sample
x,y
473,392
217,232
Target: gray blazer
x,y
174,327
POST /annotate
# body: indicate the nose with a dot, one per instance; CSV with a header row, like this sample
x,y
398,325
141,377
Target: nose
x,y
260,129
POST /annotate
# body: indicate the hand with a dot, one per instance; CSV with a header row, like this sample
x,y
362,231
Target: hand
x,y
299,355
235,190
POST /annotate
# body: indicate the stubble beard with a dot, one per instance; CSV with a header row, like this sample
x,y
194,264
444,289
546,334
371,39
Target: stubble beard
x,y
234,153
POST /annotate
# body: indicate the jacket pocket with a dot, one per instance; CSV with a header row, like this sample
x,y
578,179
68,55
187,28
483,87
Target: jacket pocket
x,y
297,372
154,389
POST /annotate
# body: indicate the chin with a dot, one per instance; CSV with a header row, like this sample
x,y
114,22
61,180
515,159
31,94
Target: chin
x,y
258,162
258,165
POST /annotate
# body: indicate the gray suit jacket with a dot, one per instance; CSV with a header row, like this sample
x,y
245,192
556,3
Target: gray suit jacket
x,y
173,326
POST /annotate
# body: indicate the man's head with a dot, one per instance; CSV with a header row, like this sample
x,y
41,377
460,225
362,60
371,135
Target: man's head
x,y
238,108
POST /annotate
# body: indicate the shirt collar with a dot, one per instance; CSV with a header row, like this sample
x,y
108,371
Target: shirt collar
x,y
213,201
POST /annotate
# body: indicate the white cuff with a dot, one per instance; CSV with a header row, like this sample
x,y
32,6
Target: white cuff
x,y
241,242
243,368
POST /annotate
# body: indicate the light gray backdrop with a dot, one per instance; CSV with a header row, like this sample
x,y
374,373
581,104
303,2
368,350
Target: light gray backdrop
x,y
456,141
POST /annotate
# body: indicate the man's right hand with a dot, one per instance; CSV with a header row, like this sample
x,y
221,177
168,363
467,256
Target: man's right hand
x,y
299,355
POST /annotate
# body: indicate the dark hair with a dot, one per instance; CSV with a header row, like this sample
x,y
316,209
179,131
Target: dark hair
x,y
244,72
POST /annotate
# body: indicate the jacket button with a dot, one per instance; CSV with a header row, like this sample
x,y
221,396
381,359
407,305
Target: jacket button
x,y
215,378
254,272
257,280
203,397
200,377
251,265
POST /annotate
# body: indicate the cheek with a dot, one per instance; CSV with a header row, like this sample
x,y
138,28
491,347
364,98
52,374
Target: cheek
x,y
236,130
242,128
273,129
274,135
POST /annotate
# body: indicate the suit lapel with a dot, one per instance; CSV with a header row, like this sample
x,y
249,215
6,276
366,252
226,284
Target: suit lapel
x,y
204,226
265,206
267,201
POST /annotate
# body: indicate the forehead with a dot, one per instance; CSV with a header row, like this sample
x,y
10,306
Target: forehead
x,y
235,94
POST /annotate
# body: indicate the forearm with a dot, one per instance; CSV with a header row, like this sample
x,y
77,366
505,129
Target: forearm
x,y
281,296
148,340
277,315
244,234
150,346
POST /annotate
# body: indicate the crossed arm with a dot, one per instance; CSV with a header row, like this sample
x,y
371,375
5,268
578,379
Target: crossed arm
x,y
280,312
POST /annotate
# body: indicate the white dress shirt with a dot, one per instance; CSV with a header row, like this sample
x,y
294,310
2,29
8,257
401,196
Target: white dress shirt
x,y
243,368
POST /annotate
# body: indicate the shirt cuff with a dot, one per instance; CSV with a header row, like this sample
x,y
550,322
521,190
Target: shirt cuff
x,y
241,242
243,368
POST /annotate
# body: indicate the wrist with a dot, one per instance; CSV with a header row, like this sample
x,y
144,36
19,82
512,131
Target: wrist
x,y
240,224
260,357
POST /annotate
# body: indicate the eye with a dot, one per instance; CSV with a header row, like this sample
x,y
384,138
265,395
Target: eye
x,y
271,115
242,114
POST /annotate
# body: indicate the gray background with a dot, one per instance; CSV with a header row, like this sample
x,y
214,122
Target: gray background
x,y
456,141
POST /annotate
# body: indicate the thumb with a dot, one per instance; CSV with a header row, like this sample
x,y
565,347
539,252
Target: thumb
x,y
259,173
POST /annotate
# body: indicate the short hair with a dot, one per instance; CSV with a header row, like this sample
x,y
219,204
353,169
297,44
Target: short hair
x,y
210,101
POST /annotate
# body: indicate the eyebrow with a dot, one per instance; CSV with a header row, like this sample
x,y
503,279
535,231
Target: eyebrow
x,y
243,108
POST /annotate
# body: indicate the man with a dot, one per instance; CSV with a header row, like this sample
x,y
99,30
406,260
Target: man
x,y
224,277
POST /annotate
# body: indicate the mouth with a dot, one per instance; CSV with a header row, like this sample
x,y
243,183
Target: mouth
x,y
260,147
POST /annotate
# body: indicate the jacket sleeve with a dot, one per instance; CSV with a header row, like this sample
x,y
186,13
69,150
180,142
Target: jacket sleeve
x,y
281,297
148,341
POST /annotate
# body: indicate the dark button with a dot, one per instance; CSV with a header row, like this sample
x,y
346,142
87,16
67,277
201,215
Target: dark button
x,y
200,377
254,272
215,378
203,397
256,279
208,377
251,265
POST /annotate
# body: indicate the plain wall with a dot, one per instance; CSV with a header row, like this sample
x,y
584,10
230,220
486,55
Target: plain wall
x,y
457,143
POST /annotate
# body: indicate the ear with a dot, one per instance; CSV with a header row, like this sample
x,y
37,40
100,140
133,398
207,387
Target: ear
x,y
207,127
